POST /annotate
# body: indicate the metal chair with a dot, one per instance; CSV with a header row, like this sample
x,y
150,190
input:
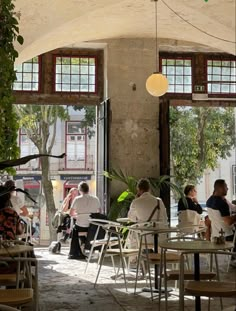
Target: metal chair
x,y
151,258
18,297
207,288
173,275
100,243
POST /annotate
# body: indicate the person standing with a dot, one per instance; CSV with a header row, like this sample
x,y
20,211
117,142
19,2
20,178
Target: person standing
x,y
81,208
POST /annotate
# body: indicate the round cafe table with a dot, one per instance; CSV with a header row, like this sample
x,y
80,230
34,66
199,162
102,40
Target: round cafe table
x,y
196,245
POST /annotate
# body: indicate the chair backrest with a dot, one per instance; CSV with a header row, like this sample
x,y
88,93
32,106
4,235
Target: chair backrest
x,y
218,224
189,221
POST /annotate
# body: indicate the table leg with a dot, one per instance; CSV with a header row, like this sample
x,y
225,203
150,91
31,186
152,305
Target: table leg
x,y
197,278
156,266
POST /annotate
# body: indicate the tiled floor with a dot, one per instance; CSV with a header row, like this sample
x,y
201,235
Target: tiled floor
x,y
65,286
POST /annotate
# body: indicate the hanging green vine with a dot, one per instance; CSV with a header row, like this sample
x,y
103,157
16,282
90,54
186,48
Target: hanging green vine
x,y
9,32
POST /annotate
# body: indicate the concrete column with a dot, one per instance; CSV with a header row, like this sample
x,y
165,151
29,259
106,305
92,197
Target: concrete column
x,y
134,145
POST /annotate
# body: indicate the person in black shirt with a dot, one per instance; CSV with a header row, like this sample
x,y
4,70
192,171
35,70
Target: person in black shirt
x,y
191,198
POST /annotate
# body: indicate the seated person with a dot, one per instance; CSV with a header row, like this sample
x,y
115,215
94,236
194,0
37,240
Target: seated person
x,y
10,223
219,211
142,207
66,204
191,198
189,212
81,208
16,201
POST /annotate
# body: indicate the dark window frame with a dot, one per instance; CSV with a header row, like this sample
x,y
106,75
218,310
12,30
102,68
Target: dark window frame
x,y
95,57
177,57
39,78
220,58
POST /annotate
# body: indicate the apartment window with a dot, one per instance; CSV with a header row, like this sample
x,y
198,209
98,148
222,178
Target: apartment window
x,y
179,74
221,76
75,74
27,76
76,142
27,147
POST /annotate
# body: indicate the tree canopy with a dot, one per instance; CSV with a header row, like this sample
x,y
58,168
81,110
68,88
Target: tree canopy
x,y
199,137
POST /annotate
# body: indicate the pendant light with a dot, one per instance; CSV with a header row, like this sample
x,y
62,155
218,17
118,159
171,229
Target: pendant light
x,y
157,83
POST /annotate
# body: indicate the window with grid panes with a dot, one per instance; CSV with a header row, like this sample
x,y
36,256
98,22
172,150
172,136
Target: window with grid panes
x,y
75,145
75,74
27,76
221,76
178,73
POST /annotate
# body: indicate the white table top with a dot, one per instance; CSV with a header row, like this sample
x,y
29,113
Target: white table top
x,y
194,245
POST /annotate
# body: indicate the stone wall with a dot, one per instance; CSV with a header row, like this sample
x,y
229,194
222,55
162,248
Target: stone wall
x,y
134,139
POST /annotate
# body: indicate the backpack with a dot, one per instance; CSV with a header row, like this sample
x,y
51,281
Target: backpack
x,y
55,247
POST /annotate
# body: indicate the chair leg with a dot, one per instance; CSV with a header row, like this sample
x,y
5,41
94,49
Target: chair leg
x,y
181,285
91,250
113,264
138,265
218,278
122,262
165,282
148,266
160,279
102,259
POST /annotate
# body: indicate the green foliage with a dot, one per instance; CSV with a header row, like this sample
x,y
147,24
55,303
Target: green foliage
x,y
89,118
39,123
199,137
120,206
9,32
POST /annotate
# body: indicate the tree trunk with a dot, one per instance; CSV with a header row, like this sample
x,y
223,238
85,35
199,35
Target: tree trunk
x,y
48,193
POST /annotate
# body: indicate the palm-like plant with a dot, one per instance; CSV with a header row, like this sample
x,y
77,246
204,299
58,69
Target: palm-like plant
x,y
120,206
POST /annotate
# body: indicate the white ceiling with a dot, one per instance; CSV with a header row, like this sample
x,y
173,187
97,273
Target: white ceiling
x,y
50,24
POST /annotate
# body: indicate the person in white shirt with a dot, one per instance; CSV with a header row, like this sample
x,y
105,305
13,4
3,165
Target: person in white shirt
x,y
81,208
142,207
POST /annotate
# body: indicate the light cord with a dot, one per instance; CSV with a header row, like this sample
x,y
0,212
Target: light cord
x,y
196,27
156,34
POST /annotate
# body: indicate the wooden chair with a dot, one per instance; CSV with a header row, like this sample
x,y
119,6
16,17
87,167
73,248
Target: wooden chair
x,y
207,288
18,297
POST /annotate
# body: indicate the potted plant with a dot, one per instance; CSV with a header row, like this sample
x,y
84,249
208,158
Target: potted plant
x,y
120,206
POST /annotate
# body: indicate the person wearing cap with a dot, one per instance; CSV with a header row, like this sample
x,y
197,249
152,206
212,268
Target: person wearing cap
x,y
81,208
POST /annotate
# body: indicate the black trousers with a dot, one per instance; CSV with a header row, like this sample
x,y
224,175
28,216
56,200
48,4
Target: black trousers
x,y
75,249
